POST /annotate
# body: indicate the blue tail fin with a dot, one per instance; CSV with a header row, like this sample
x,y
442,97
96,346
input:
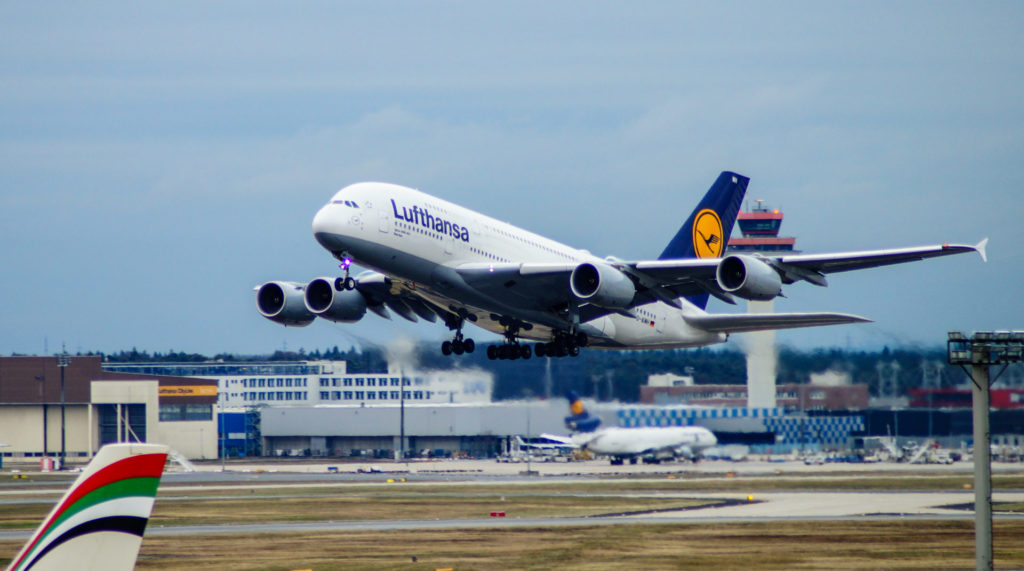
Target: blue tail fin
x,y
580,420
706,231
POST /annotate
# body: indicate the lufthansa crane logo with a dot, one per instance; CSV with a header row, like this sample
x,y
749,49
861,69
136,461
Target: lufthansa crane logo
x,y
708,241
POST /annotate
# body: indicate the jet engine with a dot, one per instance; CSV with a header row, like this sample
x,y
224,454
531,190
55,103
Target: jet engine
x,y
284,303
323,300
748,278
602,285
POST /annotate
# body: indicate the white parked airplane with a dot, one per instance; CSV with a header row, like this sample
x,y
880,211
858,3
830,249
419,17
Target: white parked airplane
x,y
431,258
99,522
652,444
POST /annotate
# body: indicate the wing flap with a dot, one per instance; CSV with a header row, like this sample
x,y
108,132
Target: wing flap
x,y
744,322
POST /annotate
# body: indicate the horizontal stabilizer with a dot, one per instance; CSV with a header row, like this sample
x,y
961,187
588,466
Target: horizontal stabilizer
x,y
744,322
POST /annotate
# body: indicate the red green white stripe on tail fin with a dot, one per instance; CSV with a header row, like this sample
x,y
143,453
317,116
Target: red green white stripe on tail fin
x,y
99,522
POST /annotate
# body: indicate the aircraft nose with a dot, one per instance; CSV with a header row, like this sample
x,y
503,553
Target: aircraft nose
x,y
322,222
328,228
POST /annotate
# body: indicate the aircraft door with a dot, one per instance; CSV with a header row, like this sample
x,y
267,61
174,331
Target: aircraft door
x,y
384,220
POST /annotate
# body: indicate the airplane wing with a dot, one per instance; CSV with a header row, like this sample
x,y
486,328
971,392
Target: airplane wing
x,y
545,286
382,293
806,267
538,286
746,322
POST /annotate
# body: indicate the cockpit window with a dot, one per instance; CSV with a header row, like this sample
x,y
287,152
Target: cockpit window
x,y
349,203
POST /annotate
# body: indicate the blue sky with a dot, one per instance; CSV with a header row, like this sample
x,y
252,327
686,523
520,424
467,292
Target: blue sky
x,y
157,161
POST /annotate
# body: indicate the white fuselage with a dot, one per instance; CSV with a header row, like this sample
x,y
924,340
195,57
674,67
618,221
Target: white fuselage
x,y
616,441
410,236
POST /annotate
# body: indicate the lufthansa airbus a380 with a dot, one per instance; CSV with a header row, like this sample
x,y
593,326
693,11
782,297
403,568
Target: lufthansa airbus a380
x,y
432,259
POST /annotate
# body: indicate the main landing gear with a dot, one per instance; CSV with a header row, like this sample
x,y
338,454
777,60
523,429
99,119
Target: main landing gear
x,y
459,344
511,349
564,344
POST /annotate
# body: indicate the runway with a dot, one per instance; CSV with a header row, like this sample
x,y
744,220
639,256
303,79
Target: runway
x,y
748,506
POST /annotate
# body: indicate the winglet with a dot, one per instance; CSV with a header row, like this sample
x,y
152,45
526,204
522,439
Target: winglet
x,y
100,520
981,249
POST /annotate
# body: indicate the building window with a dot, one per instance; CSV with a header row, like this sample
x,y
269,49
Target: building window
x,y
370,395
360,382
324,383
324,395
335,395
382,395
371,382
348,382
394,394
348,395
360,395
179,412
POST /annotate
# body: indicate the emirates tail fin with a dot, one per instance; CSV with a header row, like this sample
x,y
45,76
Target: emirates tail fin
x,y
98,524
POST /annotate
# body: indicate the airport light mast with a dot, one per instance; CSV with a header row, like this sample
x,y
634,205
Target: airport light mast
x,y
983,350
63,360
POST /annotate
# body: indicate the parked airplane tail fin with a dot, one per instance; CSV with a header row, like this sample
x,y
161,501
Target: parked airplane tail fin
x,y
706,232
99,522
579,420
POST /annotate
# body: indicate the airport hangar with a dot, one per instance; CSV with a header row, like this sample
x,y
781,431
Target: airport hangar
x,y
100,407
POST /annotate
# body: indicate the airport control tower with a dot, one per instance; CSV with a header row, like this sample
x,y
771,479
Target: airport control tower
x,y
760,228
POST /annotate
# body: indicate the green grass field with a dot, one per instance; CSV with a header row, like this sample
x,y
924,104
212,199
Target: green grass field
x,y
911,544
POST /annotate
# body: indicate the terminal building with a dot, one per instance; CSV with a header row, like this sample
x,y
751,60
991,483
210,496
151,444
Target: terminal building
x,y
304,383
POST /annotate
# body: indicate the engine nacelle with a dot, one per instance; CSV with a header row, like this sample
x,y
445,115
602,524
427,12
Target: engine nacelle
x,y
284,303
345,306
602,285
748,278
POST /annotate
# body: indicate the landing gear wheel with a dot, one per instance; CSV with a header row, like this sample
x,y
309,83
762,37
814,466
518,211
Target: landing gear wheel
x,y
446,348
492,352
574,351
468,345
458,347
525,352
350,283
582,340
539,350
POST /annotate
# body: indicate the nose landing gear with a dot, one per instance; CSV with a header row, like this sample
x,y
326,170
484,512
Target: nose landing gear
x,y
345,282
